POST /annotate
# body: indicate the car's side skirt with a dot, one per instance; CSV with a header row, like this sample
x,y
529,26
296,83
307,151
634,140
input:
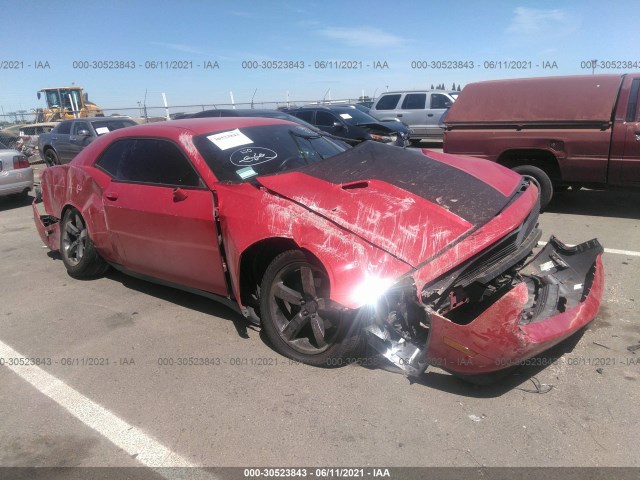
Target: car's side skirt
x,y
227,301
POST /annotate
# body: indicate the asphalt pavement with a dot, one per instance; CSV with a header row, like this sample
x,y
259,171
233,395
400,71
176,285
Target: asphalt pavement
x,y
115,386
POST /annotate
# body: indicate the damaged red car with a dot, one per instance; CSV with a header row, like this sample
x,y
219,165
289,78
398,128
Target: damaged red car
x,y
426,256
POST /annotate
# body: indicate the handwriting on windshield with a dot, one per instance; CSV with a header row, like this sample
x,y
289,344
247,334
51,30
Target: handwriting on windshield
x,y
252,156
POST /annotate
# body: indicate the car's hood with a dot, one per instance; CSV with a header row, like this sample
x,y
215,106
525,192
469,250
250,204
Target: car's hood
x,y
408,204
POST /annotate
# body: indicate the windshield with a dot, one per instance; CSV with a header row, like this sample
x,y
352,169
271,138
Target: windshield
x,y
242,154
353,116
63,98
106,126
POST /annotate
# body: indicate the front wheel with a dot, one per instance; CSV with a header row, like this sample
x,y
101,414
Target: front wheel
x,y
51,157
299,319
79,254
542,180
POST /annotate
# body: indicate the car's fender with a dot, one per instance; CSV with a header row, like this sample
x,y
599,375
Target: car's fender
x,y
348,259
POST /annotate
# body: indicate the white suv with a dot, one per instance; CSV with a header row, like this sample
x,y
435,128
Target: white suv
x,y
422,110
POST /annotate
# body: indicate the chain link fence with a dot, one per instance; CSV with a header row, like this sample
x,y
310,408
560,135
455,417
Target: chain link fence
x,y
145,113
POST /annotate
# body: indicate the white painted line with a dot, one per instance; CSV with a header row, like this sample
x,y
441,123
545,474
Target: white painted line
x,y
132,440
622,252
629,253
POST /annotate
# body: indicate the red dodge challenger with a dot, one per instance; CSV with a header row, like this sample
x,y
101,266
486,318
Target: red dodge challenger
x,y
425,255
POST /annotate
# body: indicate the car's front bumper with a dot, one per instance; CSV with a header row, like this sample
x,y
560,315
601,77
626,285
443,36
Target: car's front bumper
x,y
559,293
520,324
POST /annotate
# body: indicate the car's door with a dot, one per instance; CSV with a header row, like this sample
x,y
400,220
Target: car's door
x,y
81,136
60,142
160,215
624,167
438,104
413,112
386,108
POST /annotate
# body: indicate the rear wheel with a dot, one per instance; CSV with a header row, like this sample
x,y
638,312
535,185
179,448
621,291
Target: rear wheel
x,y
542,180
79,254
299,319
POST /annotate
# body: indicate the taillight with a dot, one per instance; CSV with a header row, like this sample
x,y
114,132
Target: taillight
x,y
20,161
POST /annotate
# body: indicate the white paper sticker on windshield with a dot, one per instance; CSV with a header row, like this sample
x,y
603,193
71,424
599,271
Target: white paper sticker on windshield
x,y
346,116
233,138
245,173
102,130
547,266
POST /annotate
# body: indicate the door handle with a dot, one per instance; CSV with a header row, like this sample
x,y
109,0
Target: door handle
x,y
399,115
111,196
637,136
429,114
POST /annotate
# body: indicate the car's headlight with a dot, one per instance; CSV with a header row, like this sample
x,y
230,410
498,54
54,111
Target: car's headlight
x,y
371,289
384,138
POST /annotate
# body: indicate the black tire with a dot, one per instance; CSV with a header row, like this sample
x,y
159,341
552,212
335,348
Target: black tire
x,y
542,180
78,252
23,195
298,318
51,157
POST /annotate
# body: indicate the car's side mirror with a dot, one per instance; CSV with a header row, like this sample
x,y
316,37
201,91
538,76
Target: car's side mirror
x,y
338,125
84,133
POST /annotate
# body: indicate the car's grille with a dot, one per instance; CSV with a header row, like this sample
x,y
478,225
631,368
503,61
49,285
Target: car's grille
x,y
489,264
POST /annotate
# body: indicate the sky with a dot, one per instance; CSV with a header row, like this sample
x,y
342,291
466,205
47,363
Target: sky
x,y
405,44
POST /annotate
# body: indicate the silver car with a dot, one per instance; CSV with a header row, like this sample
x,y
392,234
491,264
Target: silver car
x,y
16,175
420,109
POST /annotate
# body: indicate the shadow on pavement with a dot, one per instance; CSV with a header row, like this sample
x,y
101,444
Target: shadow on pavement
x,y
597,203
14,201
188,300
522,377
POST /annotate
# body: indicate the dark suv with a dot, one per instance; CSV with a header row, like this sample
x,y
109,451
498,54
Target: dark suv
x,y
348,122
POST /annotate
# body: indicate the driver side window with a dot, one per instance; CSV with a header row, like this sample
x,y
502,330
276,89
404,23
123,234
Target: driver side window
x,y
77,126
148,160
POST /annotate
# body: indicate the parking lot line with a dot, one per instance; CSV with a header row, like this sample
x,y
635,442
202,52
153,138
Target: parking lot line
x,y
129,438
615,251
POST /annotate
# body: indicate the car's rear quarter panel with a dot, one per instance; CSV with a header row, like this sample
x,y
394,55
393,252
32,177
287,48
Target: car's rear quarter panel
x,y
79,187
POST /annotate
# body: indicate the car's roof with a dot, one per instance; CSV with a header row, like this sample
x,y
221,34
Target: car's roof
x,y
242,112
198,126
96,119
249,112
323,107
416,91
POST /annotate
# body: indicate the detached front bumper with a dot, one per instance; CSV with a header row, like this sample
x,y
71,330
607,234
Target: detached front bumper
x,y
48,227
560,293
